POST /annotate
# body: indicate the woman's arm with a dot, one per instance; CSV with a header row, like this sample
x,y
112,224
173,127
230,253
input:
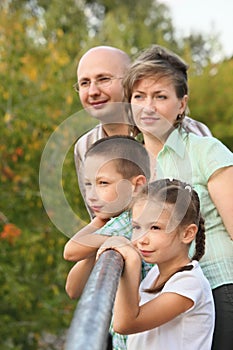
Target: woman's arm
x,y
78,276
84,244
221,192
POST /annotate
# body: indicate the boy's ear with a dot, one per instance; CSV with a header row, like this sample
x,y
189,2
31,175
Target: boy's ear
x,y
189,233
138,181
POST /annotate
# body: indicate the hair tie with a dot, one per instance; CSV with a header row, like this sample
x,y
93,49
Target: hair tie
x,y
189,188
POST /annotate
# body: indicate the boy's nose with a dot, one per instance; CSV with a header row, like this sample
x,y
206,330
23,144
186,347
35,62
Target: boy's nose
x,y
91,194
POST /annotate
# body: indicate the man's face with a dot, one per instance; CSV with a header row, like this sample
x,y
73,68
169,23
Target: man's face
x,y
95,95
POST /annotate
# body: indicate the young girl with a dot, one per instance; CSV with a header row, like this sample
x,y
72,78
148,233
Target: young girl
x,y
156,85
174,309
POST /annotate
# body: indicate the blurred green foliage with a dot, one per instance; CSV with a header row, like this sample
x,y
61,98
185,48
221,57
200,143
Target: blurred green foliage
x,y
40,44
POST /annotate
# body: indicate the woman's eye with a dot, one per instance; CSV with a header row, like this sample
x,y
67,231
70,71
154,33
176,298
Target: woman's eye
x,y
161,97
137,96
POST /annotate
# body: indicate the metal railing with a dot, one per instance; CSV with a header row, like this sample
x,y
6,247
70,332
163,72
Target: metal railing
x,y
92,317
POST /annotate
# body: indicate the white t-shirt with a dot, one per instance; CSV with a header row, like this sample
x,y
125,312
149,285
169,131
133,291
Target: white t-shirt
x,y
193,329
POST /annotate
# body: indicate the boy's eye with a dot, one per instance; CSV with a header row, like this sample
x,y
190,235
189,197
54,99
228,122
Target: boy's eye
x,y
103,183
136,227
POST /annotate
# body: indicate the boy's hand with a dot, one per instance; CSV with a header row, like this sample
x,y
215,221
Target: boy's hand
x,y
98,222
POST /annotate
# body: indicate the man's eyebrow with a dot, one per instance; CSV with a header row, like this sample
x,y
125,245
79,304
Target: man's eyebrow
x,y
103,74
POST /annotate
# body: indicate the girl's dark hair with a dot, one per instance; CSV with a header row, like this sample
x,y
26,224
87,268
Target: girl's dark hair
x,y
186,211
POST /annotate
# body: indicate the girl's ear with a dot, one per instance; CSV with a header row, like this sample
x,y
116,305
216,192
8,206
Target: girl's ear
x,y
189,233
137,182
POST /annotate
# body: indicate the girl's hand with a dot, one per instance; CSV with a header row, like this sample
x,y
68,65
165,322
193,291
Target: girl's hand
x,y
121,244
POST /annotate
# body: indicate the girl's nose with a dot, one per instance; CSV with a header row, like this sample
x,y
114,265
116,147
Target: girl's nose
x,y
142,238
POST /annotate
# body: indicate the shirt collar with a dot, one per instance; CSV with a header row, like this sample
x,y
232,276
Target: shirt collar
x,y
176,141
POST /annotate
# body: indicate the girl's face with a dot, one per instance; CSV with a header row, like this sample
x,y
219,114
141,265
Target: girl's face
x,y
156,234
107,193
155,106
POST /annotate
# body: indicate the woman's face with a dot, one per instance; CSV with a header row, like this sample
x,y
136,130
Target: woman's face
x,y
155,106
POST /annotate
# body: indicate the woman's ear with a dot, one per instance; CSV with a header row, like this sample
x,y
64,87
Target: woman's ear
x,y
137,182
183,104
189,233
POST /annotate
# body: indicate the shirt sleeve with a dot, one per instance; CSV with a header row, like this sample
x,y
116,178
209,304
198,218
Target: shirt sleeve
x,y
186,284
118,226
215,155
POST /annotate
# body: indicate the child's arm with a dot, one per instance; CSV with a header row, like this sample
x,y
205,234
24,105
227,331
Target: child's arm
x,y
78,276
84,244
129,317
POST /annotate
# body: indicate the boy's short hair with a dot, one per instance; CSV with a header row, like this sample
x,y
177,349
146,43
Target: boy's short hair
x,y
130,155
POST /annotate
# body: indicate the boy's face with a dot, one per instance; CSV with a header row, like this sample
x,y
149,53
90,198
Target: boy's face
x,y
107,193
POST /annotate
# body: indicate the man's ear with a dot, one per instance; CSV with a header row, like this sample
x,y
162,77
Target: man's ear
x,y
189,233
138,181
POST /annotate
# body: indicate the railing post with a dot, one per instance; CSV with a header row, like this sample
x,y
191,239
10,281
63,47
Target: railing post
x,y
92,317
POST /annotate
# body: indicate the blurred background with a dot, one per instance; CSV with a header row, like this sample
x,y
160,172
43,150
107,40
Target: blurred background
x,y
40,45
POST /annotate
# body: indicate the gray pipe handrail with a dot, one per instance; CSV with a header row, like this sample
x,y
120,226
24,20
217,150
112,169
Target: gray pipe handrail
x,y
92,317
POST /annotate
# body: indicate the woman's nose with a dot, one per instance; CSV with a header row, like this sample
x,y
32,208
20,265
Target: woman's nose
x,y
150,104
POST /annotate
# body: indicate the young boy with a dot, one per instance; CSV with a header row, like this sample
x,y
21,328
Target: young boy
x,y
115,168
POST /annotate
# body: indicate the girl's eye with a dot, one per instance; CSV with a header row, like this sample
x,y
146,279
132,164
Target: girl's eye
x,y
136,227
155,227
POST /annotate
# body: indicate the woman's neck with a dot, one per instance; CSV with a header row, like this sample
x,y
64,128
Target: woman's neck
x,y
153,145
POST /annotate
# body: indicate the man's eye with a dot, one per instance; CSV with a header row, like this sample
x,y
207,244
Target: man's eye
x,y
87,184
103,80
84,83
